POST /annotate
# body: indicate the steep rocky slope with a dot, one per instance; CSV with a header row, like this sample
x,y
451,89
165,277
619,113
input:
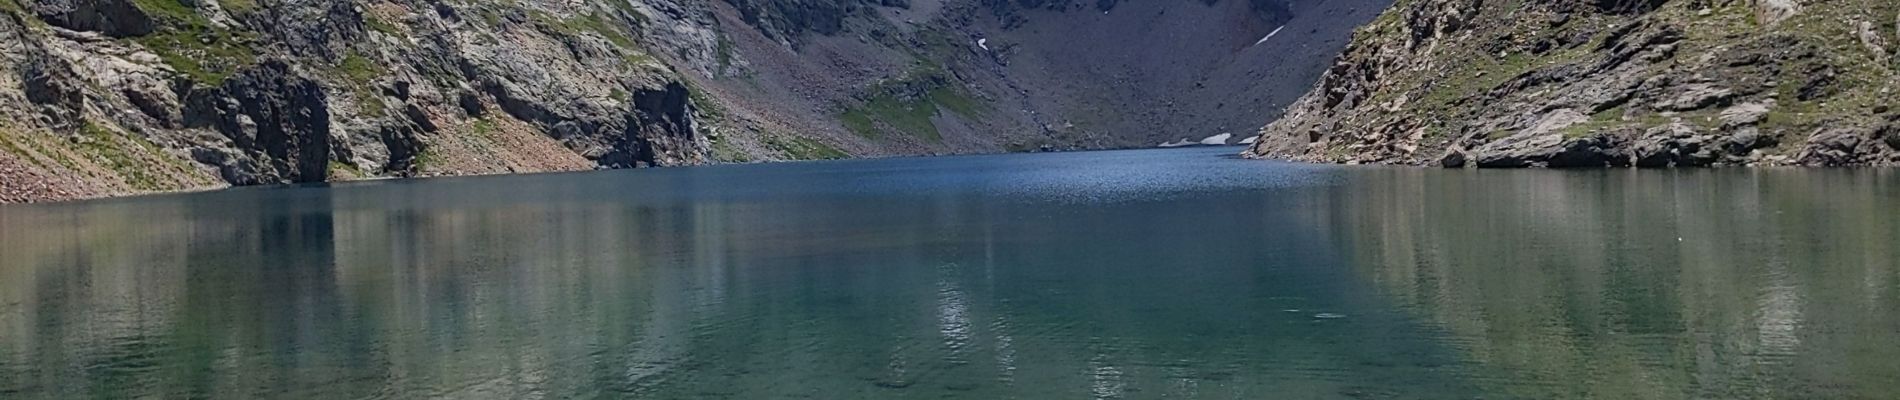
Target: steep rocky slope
x,y
111,97
1594,83
121,96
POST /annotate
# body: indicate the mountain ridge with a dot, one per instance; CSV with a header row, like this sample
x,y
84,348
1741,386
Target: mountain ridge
x,y
114,97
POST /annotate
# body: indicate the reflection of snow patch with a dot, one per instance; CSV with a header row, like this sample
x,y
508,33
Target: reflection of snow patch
x,y
1250,140
1276,31
1217,140
983,43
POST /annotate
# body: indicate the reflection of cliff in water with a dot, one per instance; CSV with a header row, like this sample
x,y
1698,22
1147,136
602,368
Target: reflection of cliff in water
x,y
1065,275
127,298
948,288
285,299
1620,284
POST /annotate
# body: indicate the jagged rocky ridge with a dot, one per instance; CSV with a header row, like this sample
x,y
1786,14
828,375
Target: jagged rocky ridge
x,y
1596,83
112,97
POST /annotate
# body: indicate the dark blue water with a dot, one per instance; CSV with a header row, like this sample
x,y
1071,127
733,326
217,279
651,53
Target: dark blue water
x,y
1136,274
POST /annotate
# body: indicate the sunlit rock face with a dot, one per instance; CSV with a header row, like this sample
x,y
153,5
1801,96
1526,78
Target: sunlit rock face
x,y
1605,83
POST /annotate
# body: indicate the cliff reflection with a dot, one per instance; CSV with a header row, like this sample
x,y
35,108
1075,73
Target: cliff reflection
x,y
289,299
920,278
1631,284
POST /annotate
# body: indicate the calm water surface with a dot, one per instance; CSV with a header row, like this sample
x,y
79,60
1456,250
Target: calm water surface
x,y
1137,274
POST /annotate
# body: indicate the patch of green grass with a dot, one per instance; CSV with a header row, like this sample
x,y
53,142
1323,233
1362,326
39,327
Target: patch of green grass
x,y
371,102
911,117
1792,114
908,116
907,104
489,16
205,55
59,158
704,103
860,123
110,147
1591,127
595,23
379,25
799,148
424,160
6,143
7,138
360,70
484,128
618,94
587,23
174,11
1599,122
1449,94
345,170
724,151
957,102
238,6
362,73
723,53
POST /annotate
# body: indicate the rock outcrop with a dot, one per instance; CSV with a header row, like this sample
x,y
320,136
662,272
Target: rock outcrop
x,y
1610,83
278,122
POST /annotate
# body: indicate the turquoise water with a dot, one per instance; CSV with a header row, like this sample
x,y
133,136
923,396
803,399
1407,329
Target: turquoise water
x,y
1180,273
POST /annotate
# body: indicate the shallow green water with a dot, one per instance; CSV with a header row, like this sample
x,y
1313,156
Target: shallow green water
x,y
1139,274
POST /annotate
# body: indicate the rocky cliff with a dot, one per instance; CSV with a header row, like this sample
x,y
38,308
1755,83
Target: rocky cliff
x,y
111,97
1595,83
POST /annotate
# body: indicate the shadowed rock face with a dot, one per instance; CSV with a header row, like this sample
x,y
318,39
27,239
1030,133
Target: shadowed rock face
x,y
662,124
116,18
789,18
279,123
1604,83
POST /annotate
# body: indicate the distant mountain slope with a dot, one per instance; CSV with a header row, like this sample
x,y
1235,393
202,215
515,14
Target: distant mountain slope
x,y
1593,83
108,97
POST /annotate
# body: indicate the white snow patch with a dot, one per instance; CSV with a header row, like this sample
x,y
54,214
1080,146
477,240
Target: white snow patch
x,y
1250,140
1217,140
983,43
1180,143
1276,31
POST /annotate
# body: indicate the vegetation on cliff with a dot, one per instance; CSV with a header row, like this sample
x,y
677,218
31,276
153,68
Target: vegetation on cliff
x,y
1568,83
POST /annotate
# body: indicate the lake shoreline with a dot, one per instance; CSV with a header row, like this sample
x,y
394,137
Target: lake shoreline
x,y
11,199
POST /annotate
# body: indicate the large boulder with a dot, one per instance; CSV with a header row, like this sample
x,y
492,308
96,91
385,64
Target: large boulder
x,y
1835,146
1520,151
116,18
